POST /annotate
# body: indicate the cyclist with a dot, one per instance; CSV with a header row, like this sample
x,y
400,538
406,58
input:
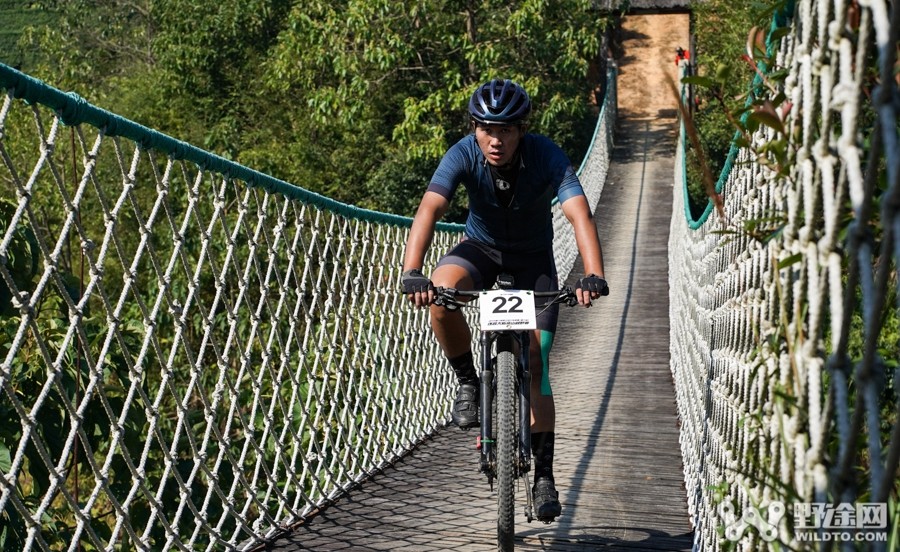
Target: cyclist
x,y
511,177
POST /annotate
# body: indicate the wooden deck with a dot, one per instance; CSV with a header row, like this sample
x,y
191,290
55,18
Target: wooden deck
x,y
618,464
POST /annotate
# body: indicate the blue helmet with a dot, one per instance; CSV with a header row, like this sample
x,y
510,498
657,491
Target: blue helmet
x,y
500,102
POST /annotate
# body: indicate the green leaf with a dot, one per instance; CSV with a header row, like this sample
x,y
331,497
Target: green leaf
x,y
779,33
5,459
700,81
767,116
751,124
723,72
793,259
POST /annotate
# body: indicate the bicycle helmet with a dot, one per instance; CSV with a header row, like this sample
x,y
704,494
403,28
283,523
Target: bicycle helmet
x,y
500,102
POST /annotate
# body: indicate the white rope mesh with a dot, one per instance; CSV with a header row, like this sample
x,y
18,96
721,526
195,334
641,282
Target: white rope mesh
x,y
592,174
773,406
195,363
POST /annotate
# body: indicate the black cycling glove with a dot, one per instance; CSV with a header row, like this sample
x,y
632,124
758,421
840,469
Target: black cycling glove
x,y
593,283
414,281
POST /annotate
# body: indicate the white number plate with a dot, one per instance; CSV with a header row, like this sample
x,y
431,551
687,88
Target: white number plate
x,y
507,309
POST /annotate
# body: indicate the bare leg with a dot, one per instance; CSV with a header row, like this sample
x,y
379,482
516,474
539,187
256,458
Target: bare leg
x,y
543,420
450,327
453,334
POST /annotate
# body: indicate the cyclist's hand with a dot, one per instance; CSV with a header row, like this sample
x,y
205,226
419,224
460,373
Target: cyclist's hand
x,y
590,287
417,287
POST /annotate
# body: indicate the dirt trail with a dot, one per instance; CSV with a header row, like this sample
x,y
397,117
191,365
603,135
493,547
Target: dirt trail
x,y
648,54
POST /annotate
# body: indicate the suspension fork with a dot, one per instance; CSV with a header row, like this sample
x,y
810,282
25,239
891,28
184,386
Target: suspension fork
x,y
487,398
506,341
523,373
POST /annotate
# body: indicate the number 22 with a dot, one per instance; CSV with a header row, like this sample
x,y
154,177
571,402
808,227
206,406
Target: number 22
x,y
501,308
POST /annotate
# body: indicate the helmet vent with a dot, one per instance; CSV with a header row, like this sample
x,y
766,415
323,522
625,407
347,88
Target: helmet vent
x,y
500,102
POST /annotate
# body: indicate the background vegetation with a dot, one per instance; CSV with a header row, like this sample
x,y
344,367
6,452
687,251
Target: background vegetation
x,y
720,30
354,99
16,16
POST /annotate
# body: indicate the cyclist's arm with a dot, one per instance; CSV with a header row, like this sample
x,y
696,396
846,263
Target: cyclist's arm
x,y
578,213
431,209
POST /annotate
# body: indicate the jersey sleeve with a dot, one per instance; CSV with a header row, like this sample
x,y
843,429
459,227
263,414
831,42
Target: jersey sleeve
x,y
570,186
565,180
451,171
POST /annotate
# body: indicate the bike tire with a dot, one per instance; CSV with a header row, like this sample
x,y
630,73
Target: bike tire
x,y
506,423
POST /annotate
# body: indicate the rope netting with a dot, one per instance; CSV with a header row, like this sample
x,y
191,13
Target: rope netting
x,y
194,355
784,314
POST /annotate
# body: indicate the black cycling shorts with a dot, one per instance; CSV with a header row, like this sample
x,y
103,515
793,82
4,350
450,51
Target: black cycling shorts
x,y
535,271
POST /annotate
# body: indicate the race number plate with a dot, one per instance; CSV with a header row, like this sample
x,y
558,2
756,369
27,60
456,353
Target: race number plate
x,y
507,309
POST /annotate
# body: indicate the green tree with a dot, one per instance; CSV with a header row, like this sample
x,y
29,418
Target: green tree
x,y
17,16
91,42
395,77
332,96
720,30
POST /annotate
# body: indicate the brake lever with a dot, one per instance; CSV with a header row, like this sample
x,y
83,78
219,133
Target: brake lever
x,y
446,297
568,296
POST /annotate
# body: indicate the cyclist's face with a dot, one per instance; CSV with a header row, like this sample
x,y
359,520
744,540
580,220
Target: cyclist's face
x,y
498,143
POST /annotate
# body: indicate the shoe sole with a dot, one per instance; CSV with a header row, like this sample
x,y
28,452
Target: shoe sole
x,y
466,425
552,514
549,518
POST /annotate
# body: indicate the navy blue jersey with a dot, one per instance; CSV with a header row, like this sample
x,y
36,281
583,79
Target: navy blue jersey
x,y
527,224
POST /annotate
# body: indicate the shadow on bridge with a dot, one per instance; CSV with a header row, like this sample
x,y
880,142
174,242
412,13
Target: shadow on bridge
x,y
638,146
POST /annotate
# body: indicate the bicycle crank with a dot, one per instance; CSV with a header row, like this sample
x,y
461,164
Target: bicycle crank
x,y
529,499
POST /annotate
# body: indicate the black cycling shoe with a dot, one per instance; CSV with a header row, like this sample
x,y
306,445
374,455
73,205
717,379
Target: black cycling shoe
x,y
546,500
465,409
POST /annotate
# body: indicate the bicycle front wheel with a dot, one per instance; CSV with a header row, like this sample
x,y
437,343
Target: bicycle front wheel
x,y
507,443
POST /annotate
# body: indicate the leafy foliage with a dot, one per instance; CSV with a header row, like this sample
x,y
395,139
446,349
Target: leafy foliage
x,y
17,16
329,95
723,79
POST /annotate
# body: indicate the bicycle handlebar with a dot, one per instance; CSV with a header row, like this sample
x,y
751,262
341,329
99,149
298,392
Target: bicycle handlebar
x,y
447,296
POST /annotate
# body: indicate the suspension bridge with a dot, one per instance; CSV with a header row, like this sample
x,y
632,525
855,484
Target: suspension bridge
x,y
195,355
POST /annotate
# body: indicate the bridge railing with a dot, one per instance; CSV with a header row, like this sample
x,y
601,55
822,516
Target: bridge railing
x,y
784,312
193,354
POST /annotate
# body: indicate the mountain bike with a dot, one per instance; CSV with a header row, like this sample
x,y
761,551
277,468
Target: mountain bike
x,y
507,318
